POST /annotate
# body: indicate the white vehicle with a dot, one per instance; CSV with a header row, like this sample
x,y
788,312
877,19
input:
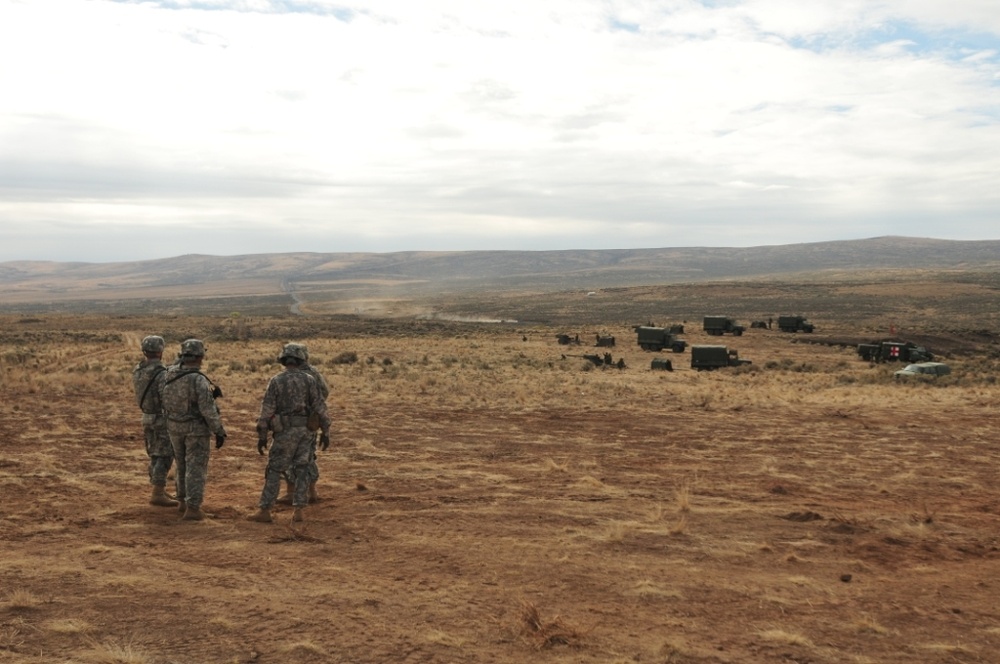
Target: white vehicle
x,y
931,369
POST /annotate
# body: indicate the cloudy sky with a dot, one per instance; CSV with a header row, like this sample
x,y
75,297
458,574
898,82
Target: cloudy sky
x,y
145,129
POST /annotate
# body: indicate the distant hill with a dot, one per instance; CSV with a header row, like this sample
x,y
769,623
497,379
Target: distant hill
x,y
282,280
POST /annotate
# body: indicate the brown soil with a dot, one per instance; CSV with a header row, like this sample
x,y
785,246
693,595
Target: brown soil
x,y
493,501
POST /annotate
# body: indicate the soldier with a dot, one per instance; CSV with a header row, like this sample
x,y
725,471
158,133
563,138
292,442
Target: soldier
x,y
324,391
188,398
146,377
291,400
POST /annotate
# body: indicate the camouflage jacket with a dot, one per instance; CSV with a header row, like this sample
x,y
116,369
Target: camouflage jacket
x,y
186,395
324,387
147,380
293,392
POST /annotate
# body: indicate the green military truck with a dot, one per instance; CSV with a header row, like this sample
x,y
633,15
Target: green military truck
x,y
658,338
719,325
705,357
891,350
795,324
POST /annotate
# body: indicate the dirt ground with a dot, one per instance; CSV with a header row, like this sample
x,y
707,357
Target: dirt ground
x,y
490,500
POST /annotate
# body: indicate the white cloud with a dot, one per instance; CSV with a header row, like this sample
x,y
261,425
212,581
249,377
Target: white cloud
x,y
391,125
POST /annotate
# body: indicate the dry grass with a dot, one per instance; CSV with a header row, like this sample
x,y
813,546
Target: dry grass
x,y
476,468
114,652
304,647
543,634
953,650
21,600
10,638
69,626
649,589
441,638
868,624
683,494
680,526
785,637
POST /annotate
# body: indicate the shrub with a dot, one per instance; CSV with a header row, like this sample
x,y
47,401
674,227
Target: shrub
x,y
347,357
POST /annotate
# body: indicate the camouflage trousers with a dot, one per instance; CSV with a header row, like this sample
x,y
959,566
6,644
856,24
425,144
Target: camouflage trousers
x,y
158,448
190,441
289,455
312,472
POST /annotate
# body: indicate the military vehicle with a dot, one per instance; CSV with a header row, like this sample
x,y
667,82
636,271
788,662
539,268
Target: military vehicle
x,y
923,370
714,357
661,364
605,341
658,338
794,324
719,325
893,350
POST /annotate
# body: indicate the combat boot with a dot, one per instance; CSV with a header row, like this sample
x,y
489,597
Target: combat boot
x,y
297,514
313,495
289,493
193,514
161,499
263,515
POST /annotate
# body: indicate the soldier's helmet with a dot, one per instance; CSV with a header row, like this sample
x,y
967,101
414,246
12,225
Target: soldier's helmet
x,y
152,344
302,347
296,351
193,348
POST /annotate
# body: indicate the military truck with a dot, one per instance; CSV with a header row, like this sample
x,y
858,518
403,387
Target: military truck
x,y
714,357
658,338
893,350
794,324
719,325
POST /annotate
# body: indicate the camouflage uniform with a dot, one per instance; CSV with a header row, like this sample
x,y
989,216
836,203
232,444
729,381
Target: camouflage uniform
x,y
289,399
324,390
147,378
192,416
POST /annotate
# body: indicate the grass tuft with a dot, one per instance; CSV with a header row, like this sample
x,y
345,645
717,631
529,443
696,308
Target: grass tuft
x,y
112,652
680,526
788,638
69,626
683,495
867,624
10,638
305,646
22,600
543,634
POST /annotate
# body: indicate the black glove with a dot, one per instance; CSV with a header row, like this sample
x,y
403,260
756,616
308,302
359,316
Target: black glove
x,y
261,445
216,392
220,440
324,441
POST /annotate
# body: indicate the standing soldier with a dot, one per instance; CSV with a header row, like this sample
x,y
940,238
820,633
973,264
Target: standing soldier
x,y
324,391
294,410
188,398
146,379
